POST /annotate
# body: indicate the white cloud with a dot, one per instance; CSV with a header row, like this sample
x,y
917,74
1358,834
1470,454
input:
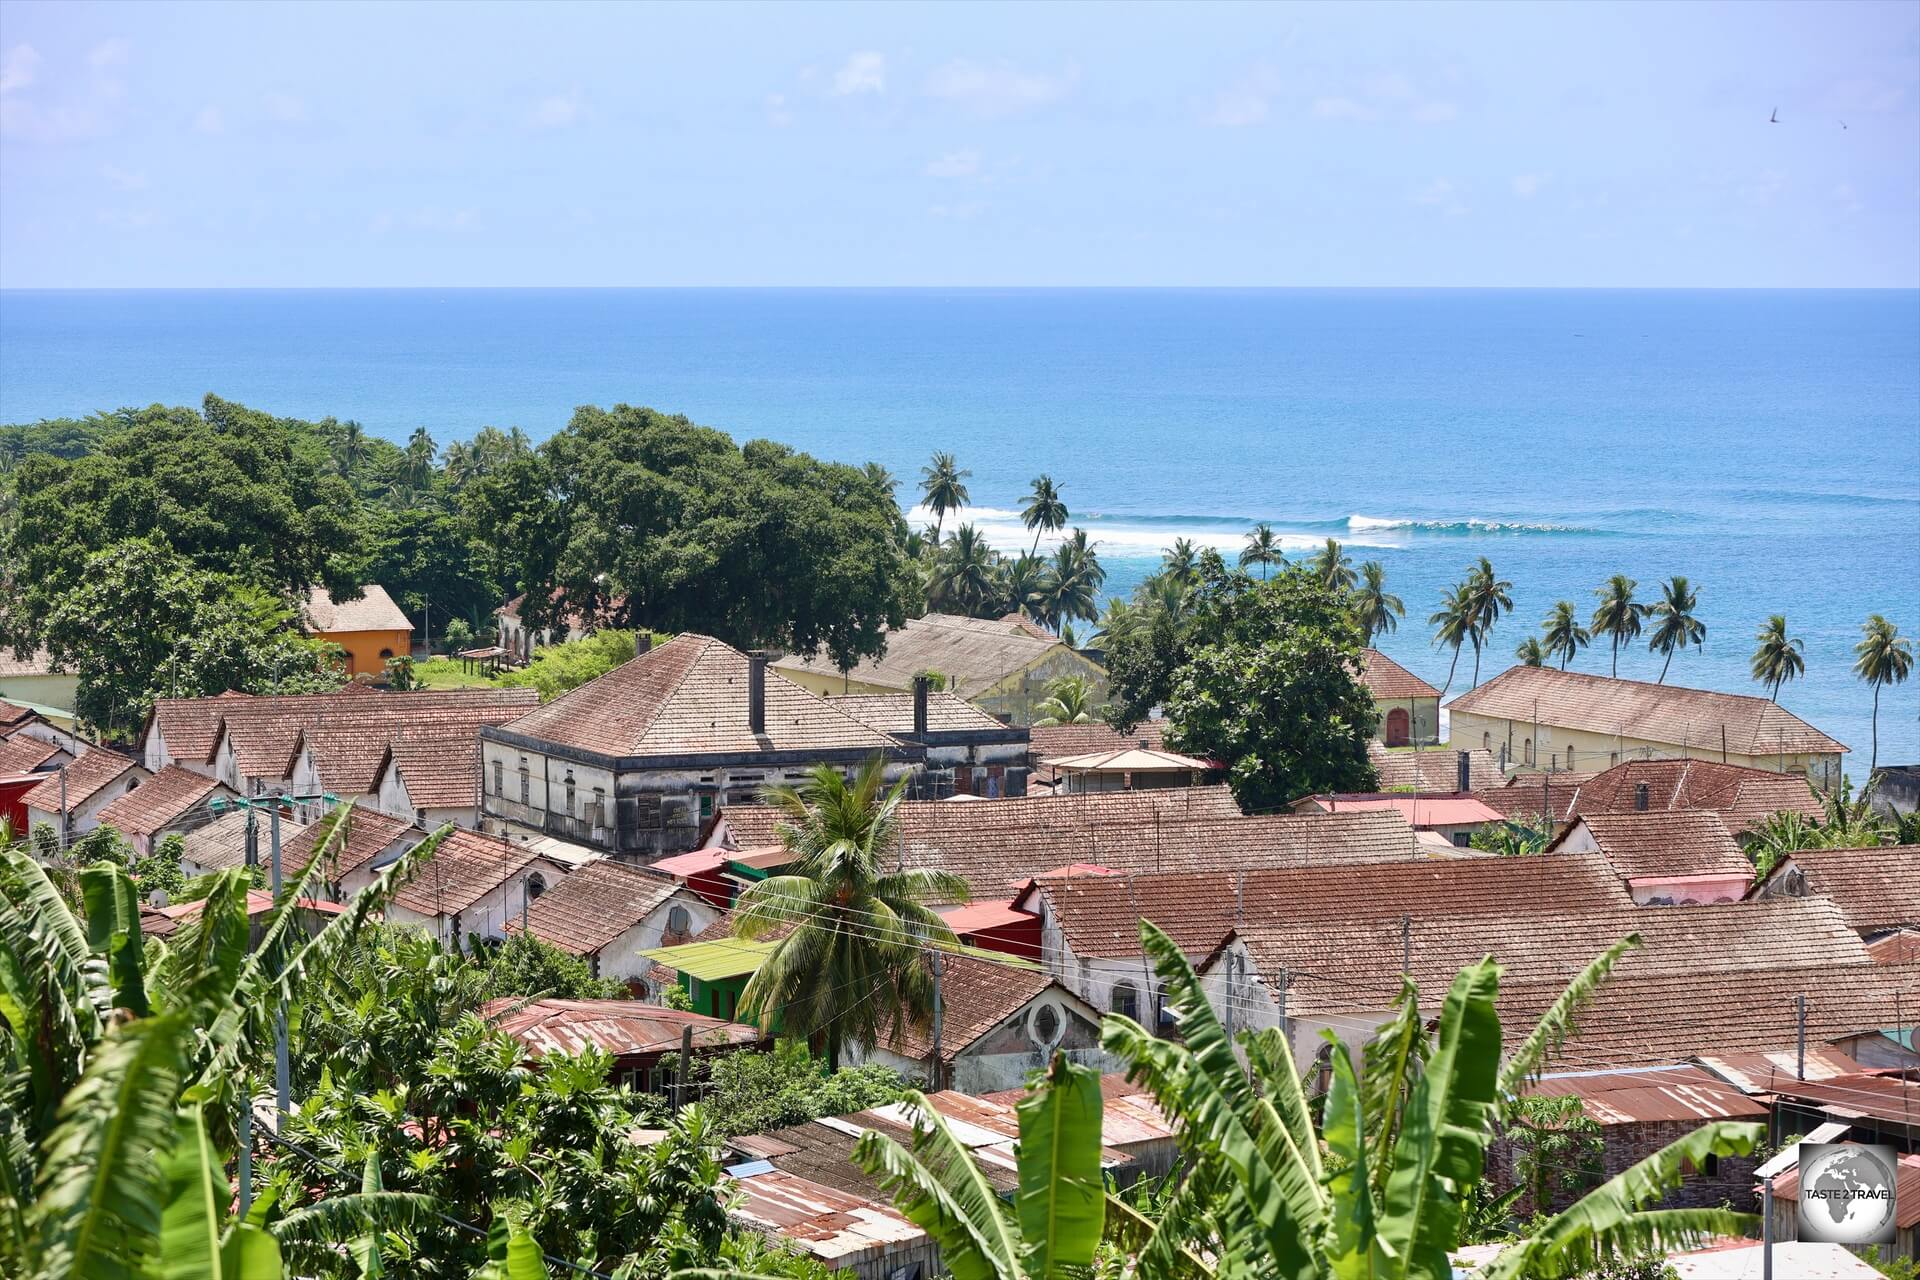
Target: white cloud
x,y
962,212
1436,113
997,90
777,114
1527,185
18,67
1246,102
1847,198
1342,109
559,111
955,164
863,72
109,53
124,179
209,120
1441,193
285,108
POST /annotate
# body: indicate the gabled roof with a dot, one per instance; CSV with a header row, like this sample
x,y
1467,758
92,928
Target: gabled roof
x,y
464,869
369,833
1743,797
1878,888
1676,843
1388,681
222,843
595,904
1053,741
373,611
946,713
37,663
87,774
997,845
1431,769
618,1027
1100,915
348,731
974,654
12,714
1659,712
977,996
24,754
689,697
159,802
440,765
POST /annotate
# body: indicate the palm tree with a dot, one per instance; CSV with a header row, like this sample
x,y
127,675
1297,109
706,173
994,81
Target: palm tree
x,y
1618,614
1565,636
1882,657
1454,624
1676,627
1333,567
1069,700
1044,512
1263,549
1531,653
463,464
1024,584
963,573
850,969
1378,611
1491,596
353,443
1119,621
1180,561
417,464
882,479
1074,589
1779,657
943,484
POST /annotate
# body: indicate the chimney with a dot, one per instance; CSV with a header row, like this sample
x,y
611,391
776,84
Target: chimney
x,y
1464,782
757,691
643,643
920,687
1639,797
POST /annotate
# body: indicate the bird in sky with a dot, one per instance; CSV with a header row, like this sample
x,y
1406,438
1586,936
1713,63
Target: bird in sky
x,y
1775,117
1843,124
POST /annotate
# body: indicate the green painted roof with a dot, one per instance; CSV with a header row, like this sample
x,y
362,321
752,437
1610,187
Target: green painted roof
x,y
715,959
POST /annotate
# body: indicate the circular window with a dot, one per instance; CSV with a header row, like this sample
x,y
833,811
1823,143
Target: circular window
x,y
1046,1024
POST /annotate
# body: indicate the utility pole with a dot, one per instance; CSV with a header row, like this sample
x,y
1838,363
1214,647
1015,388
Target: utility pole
x,y
686,1067
244,1133
63,808
1800,1018
1406,946
939,1013
282,1068
1281,982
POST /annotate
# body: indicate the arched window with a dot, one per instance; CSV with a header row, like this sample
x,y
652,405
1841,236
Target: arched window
x,y
1526,748
1569,757
1486,741
499,786
1125,1000
569,793
386,653
536,885
678,921
526,783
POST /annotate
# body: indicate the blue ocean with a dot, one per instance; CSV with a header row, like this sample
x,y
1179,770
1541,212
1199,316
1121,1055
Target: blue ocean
x,y
1765,444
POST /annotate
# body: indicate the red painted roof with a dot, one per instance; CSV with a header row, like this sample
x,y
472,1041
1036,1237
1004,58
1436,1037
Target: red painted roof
x,y
985,915
686,865
1419,811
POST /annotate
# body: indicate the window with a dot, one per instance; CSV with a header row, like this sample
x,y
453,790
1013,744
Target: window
x,y
1125,1000
386,653
526,783
1046,1026
1569,757
678,921
536,885
569,781
706,807
1526,749
1486,741
499,787
599,814
1712,1167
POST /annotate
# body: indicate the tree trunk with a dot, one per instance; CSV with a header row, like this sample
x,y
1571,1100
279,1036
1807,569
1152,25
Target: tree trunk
x,y
1616,655
1873,758
1450,670
1476,664
1663,668
833,1050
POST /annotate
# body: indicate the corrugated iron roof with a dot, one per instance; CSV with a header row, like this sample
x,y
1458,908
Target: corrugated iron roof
x,y
716,958
835,1226
1760,1072
615,1026
1642,1095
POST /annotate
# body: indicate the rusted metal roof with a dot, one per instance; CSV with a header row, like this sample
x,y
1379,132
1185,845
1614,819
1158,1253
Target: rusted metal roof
x,y
1864,1095
1762,1072
837,1227
1644,1095
619,1027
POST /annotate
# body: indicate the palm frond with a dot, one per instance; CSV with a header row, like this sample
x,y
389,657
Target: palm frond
x,y
941,1190
1351,1242
1556,1024
1062,1195
113,932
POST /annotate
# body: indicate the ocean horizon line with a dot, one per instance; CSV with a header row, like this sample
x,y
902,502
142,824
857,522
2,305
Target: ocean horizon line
x,y
962,288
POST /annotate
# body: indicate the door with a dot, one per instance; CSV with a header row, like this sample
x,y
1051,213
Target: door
x,y
1399,727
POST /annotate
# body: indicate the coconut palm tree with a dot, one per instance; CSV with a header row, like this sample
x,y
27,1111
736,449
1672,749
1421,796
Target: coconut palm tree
x,y
1779,657
1024,584
1379,612
1333,567
353,443
1069,700
1564,634
1120,620
964,576
417,464
1181,561
881,478
1882,657
1531,653
1454,624
1263,549
944,486
1675,627
1073,591
1618,615
1491,596
850,969
1043,512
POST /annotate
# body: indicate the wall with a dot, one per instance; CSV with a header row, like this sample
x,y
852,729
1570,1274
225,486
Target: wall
x,y
830,684
363,648
53,690
1623,1145
487,916
1006,1056
621,958
1424,718
83,818
1012,699
1594,751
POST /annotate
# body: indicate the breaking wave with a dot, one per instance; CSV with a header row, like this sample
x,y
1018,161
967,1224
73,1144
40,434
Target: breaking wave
x,y
1472,525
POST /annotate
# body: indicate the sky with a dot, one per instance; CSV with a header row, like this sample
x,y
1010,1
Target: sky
x,y
1484,145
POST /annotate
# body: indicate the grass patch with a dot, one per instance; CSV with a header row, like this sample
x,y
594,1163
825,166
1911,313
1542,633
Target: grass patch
x,y
448,673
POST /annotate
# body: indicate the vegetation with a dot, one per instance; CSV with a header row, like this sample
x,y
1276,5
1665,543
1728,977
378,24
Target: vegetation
x,y
1564,635
761,1092
1513,839
1779,657
1674,626
570,664
850,968
1043,511
944,486
1378,610
1848,820
1263,549
1882,657
1530,652
1069,700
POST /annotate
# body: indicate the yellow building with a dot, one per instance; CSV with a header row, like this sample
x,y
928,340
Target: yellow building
x,y
371,629
1537,717
1001,665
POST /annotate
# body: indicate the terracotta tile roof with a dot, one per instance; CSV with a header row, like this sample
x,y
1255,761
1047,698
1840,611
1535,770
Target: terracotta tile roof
x,y
37,663
1683,842
1877,888
1100,915
974,654
22,754
1902,946
976,997
373,611
1028,625
1743,797
12,714
1521,801
1340,963
348,731
465,867
440,763
162,800
1659,712
368,833
1053,742
996,845
946,713
595,904
689,697
1664,1017
1388,681
222,843
1650,1096
1435,769
619,1027
86,775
